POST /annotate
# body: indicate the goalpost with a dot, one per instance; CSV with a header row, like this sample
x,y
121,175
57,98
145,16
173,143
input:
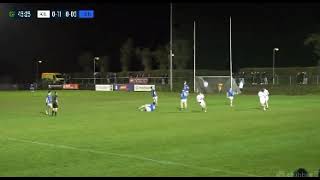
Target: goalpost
x,y
213,84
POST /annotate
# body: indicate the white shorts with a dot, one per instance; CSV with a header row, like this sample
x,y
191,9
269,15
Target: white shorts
x,y
148,109
230,97
155,98
49,105
184,100
262,101
202,104
267,98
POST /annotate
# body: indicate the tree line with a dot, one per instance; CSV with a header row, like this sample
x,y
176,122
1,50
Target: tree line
x,y
150,58
158,58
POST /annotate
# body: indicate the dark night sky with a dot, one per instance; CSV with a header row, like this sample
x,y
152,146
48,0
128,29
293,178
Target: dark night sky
x,y
257,29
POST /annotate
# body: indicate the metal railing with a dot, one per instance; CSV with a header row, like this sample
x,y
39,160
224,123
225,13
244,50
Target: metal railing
x,y
282,80
162,83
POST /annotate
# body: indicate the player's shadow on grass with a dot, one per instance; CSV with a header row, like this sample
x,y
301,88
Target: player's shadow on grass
x,y
248,109
196,111
43,113
180,111
188,110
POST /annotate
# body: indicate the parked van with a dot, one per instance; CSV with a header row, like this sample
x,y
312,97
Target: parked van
x,y
55,78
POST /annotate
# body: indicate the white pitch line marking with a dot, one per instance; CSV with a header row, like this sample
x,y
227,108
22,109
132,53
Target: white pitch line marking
x,y
130,156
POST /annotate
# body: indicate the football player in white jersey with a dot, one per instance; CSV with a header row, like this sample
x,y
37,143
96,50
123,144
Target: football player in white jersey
x,y
262,99
200,100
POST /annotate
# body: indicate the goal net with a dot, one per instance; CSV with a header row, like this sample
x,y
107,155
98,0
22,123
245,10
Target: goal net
x,y
215,84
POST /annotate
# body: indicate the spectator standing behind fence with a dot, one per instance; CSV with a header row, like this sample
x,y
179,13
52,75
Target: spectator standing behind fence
x,y
220,85
265,80
305,78
32,87
166,77
241,84
163,82
108,78
114,77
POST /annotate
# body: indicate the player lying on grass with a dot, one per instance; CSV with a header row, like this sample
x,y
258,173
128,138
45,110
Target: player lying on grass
x,y
183,101
148,107
262,99
49,103
200,100
230,95
154,95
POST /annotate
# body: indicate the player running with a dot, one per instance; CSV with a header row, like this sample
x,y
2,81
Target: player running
x,y
183,101
266,93
148,107
262,99
49,103
154,95
230,95
200,100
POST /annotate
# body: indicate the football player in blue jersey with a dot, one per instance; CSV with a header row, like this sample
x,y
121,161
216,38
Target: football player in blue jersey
x,y
183,100
148,107
230,95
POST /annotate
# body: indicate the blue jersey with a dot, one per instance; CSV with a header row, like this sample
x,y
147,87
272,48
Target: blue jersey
x,y
230,93
186,87
153,93
183,95
49,99
152,107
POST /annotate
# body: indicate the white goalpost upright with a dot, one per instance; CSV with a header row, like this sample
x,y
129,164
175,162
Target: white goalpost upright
x,y
170,46
194,56
211,84
230,57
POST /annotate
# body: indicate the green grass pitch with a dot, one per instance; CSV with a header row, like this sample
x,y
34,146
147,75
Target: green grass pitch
x,y
103,134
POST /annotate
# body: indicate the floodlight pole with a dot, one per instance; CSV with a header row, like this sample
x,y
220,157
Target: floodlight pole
x,y
273,63
170,46
230,56
194,56
94,69
37,73
273,67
